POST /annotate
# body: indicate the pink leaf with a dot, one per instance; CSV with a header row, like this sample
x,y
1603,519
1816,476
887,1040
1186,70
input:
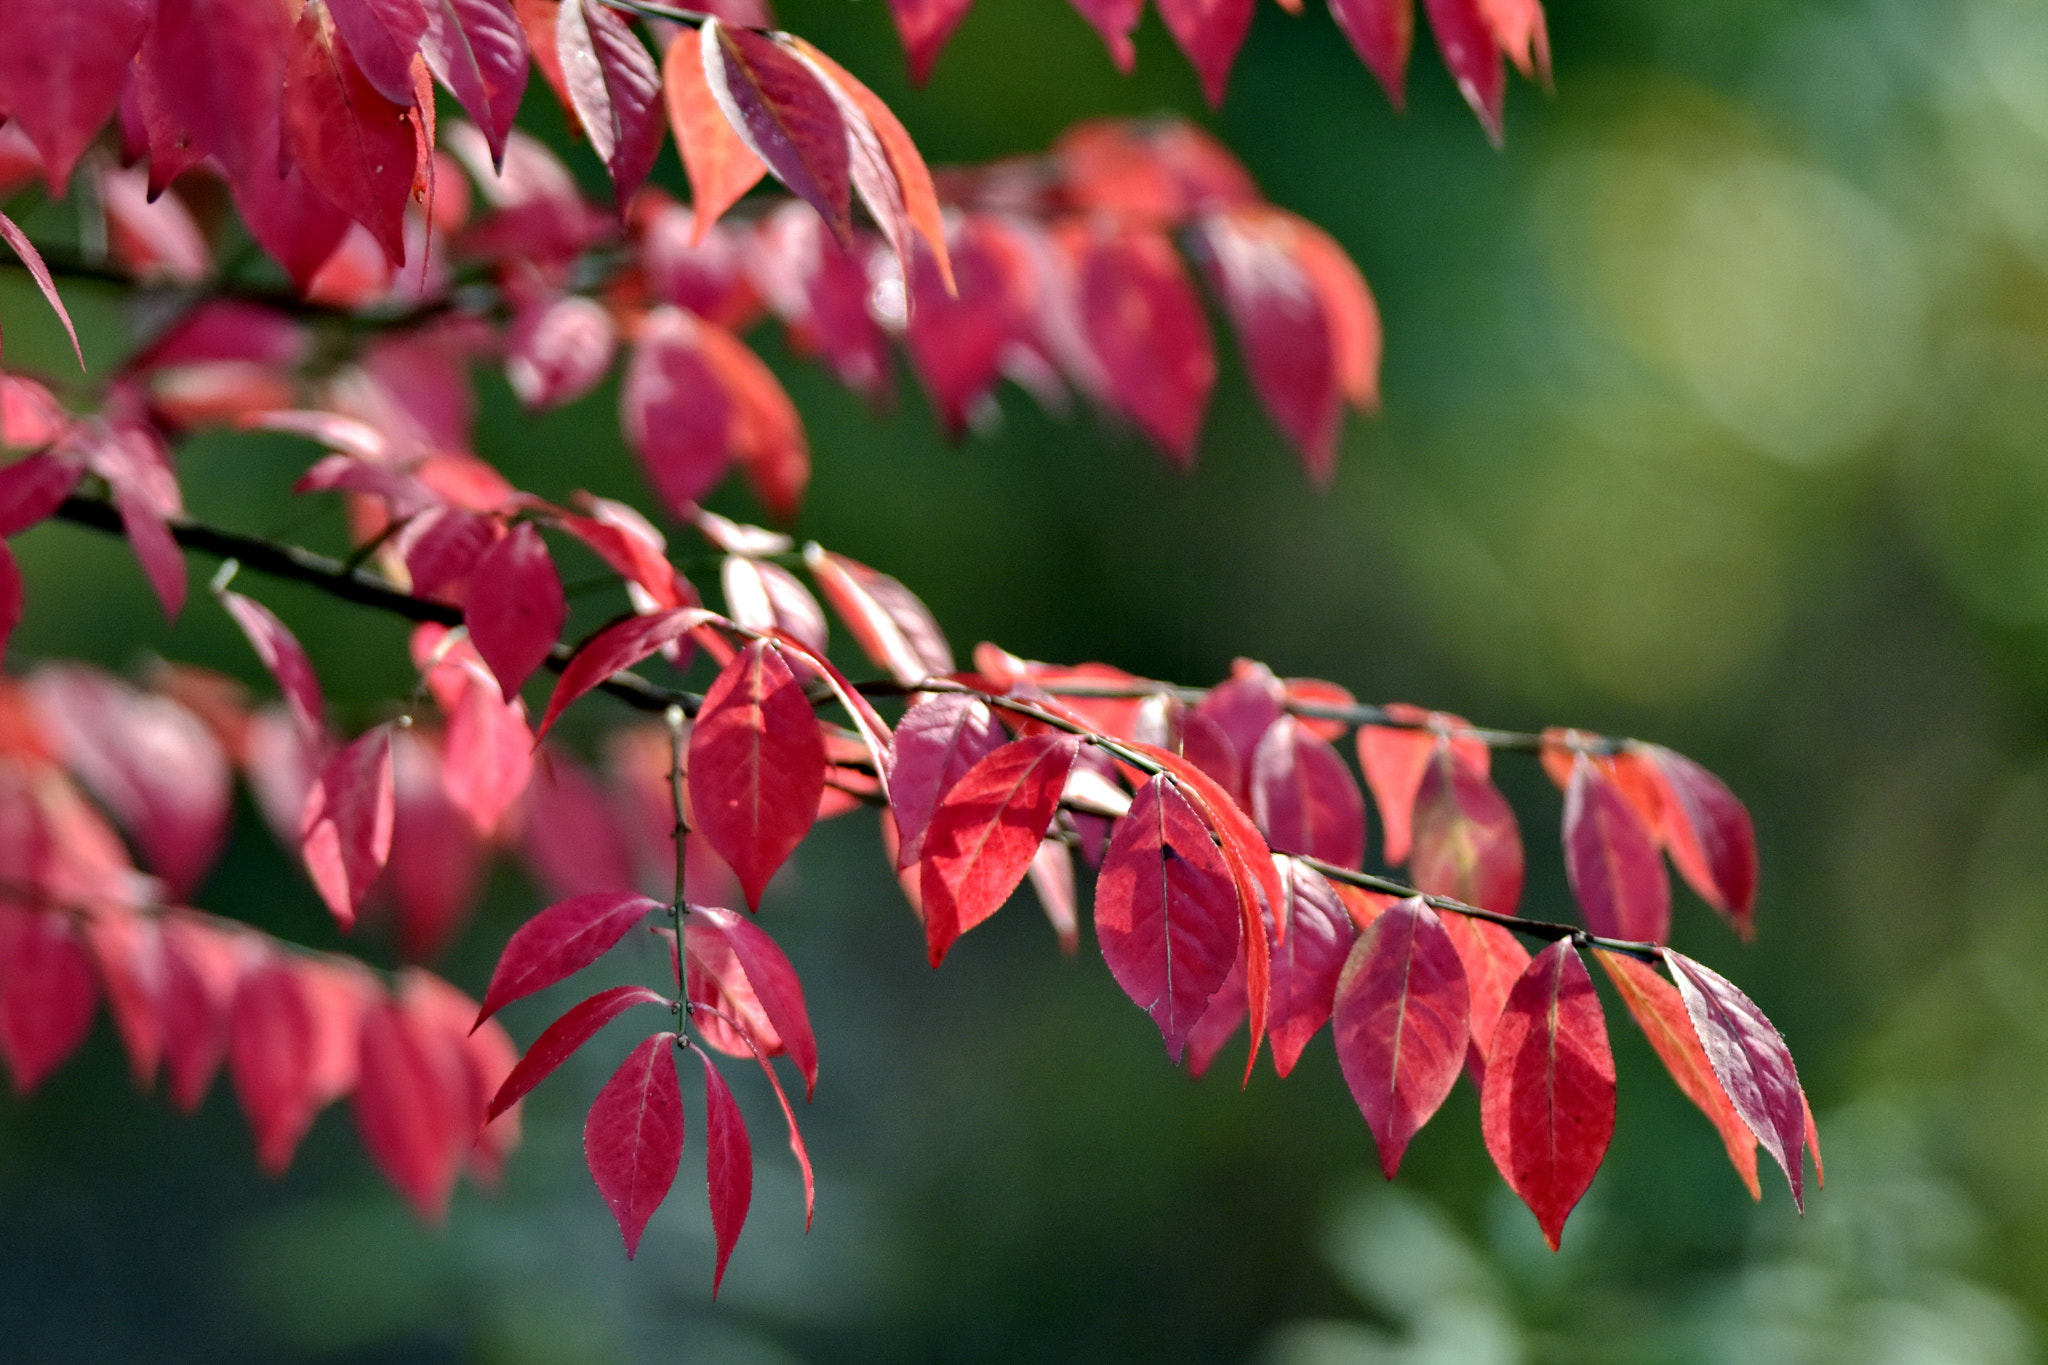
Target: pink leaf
x,y
557,351
633,1138
774,983
1401,1018
477,49
1052,879
1166,911
47,993
1751,1059
559,941
272,1048
728,1165
984,832
561,1039
352,143
756,766
1473,57
1494,961
1304,798
137,466
614,88
1394,760
1307,964
1144,325
937,741
412,1105
924,26
1708,834
487,756
346,827
40,273
895,630
437,861
202,968
11,603
1466,843
1210,33
31,489
1547,1108
61,69
618,647
514,606
1383,33
675,410
780,107
767,597
213,70
1113,21
282,654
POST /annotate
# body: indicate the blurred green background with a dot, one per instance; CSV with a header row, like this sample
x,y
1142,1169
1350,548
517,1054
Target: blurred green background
x,y
1716,413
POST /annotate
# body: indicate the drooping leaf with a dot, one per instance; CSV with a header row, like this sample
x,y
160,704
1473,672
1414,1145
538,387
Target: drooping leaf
x,y
514,607
1465,841
675,410
1307,964
346,826
47,993
1144,325
61,68
717,987
1660,1012
1473,57
477,49
773,981
1494,961
214,69
1547,1108
767,436
764,596
559,1041
1383,33
1401,1018
936,742
984,832
1166,911
895,630
559,350
351,142
1394,759
796,1139
924,26
1612,860
1519,29
31,489
1304,798
720,165
756,765
618,647
412,1104
1708,834
1210,33
1113,21
434,875
136,464
1052,878
202,969
1751,1060
487,755
778,104
728,1166
633,1138
272,1052
614,88
280,652
559,941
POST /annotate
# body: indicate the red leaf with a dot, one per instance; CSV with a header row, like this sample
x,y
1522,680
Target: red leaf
x,y
1708,834
1518,27
796,1139
1659,1011
633,1138
728,1165
867,723
437,860
780,107
719,163
487,756
675,410
1383,33
614,88
1166,910
216,67
559,941
985,831
47,993
478,50
273,1048
129,952
767,597
1547,1108
1394,760
895,630
713,978
1348,308
924,26
1401,1018
618,647
61,69
1494,960
1466,844
1242,707
561,1039
31,489
957,342
137,466
896,186
514,606
757,766
821,294
1751,1059
1307,964
1281,328
937,741
346,826
774,983
352,143
152,763
1113,21
767,435
1052,879
412,1105
1144,325
1304,798
1210,33
626,541
558,351
202,969
281,653
1611,857
1473,57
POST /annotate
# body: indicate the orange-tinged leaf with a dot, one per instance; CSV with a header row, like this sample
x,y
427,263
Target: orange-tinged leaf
x,y
1611,858
780,107
1494,960
1752,1062
1518,27
1465,841
767,435
984,832
1707,833
354,145
1547,1108
719,163
1660,1013
895,630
